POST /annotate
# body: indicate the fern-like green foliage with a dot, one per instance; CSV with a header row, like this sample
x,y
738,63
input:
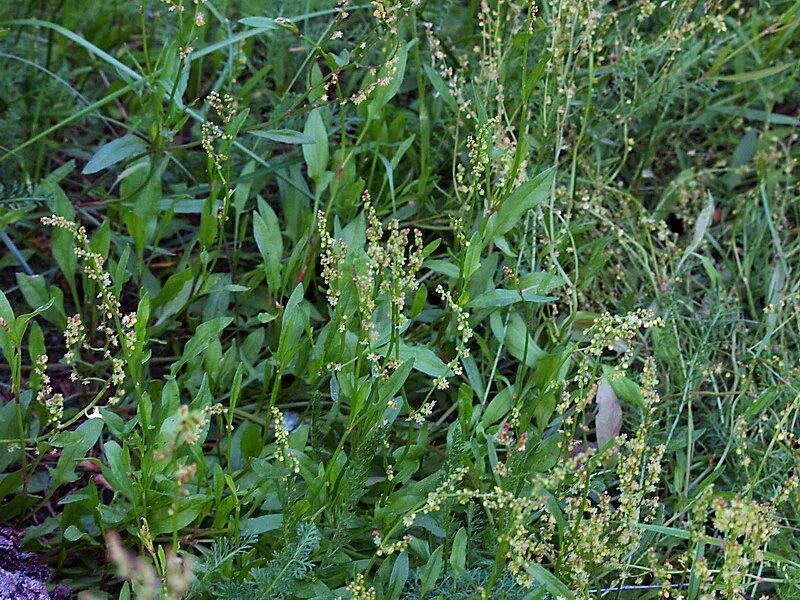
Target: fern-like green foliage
x,y
216,569
290,565
505,587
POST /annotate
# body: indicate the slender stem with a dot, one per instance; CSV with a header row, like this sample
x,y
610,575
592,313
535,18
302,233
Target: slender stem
x,y
16,379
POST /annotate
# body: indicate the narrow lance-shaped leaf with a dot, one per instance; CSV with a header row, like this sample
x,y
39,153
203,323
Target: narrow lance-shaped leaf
x,y
432,571
259,22
267,232
397,579
292,326
201,339
458,555
62,241
316,154
6,322
395,72
284,136
511,210
700,228
114,152
556,587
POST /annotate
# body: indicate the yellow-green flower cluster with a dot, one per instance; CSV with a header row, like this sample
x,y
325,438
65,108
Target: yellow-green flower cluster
x,y
437,497
614,332
113,323
212,132
332,257
359,589
53,402
283,453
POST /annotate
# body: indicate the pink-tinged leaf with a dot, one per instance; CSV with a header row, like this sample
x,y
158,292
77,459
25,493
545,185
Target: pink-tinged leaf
x,y
608,421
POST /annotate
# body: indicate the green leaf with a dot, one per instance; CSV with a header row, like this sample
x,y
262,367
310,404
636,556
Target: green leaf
x,y
142,317
174,295
292,326
46,300
514,334
6,311
390,387
12,215
498,407
743,154
7,314
533,76
546,453
443,267
458,555
121,273
16,330
166,520
755,75
608,420
626,389
419,301
34,289
284,136
122,68
267,233
36,347
209,224
425,361
397,580
441,88
551,583
664,530
760,406
101,239
118,472
695,578
527,196
141,194
242,191
72,533
202,338
472,257
773,118
125,592
383,94
431,571
262,524
701,226
75,447
501,297
62,242
316,153
259,22
113,152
